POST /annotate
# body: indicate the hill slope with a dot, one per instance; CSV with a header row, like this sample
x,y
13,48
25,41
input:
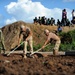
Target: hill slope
x,y
11,33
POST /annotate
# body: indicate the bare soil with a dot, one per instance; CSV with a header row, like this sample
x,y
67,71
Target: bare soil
x,y
50,65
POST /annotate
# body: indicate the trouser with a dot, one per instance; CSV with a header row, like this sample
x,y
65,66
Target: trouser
x,y
56,48
30,42
2,47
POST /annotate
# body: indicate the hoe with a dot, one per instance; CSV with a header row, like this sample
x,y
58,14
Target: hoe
x,y
28,54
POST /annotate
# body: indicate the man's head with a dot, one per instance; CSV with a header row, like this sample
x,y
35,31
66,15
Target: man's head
x,y
22,27
46,32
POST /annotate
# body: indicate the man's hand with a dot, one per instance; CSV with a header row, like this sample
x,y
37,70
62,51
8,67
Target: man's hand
x,y
18,45
26,39
42,47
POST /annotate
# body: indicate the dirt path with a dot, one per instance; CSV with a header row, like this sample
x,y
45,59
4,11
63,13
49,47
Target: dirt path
x,y
50,65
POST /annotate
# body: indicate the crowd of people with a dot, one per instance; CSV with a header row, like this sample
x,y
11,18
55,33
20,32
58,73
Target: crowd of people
x,y
64,21
45,21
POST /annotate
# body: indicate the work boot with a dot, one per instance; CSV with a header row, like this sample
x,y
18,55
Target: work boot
x,y
55,52
4,51
29,55
30,52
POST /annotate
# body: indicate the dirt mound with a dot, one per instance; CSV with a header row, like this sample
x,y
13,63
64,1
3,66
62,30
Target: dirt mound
x,y
11,33
51,65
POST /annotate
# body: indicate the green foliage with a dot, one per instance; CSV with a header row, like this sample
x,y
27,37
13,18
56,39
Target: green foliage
x,y
72,33
73,45
67,41
36,47
49,48
65,47
66,38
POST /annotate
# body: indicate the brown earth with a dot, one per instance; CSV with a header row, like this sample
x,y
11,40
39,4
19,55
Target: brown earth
x,y
17,65
50,65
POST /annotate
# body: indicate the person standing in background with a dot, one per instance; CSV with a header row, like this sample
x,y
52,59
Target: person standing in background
x,y
73,14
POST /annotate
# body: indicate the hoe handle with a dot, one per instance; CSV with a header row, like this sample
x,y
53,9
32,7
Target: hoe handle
x,y
39,49
14,49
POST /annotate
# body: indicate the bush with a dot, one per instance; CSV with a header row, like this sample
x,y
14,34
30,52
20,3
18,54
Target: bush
x,y
36,47
66,38
49,48
67,41
65,47
73,45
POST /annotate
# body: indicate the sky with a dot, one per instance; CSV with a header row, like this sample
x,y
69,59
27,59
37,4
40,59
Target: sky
x,y
26,10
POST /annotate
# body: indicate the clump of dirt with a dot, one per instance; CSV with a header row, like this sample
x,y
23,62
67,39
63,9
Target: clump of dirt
x,y
50,65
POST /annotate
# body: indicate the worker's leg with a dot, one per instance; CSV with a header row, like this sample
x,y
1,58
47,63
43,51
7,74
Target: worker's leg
x,y
25,49
56,48
0,48
31,44
3,47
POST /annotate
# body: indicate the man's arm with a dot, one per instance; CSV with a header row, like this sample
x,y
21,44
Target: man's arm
x,y
45,43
